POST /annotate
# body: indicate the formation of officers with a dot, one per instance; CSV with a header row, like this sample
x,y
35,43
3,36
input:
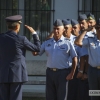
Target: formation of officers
x,y
73,64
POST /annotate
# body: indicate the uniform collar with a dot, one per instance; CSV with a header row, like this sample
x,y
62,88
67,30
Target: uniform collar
x,y
71,37
61,39
10,31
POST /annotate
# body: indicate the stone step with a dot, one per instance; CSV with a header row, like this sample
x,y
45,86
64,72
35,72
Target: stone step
x,y
34,90
36,80
33,98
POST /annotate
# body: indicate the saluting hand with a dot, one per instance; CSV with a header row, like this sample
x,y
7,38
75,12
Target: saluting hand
x,y
30,29
89,29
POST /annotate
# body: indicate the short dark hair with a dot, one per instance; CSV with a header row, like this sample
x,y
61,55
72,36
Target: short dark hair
x,y
12,25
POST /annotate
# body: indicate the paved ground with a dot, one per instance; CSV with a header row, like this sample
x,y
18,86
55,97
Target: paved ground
x,y
34,98
34,90
35,87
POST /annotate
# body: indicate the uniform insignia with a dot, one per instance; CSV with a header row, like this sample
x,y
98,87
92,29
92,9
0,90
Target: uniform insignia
x,y
90,18
62,47
49,45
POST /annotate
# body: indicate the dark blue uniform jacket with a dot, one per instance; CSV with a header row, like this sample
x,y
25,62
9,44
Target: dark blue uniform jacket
x,y
12,56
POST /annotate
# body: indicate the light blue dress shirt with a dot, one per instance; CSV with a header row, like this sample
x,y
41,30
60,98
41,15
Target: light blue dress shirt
x,y
58,52
84,49
93,46
81,51
88,34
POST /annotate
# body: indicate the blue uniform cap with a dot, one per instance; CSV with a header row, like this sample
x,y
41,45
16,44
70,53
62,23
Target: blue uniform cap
x,y
98,22
14,18
74,22
82,17
58,22
90,16
66,22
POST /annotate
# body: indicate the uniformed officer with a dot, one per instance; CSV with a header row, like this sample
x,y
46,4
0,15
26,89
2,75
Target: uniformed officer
x,y
58,50
72,84
82,51
70,26
76,31
93,46
13,71
84,87
82,93
91,22
82,19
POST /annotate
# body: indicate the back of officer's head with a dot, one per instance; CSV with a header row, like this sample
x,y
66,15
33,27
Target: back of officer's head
x,y
13,21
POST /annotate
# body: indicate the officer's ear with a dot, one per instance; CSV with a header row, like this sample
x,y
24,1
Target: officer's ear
x,y
18,26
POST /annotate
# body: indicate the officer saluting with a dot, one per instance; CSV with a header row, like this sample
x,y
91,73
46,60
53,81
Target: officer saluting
x,y
91,22
12,58
93,46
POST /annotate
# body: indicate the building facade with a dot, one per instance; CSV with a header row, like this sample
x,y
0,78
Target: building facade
x,y
40,14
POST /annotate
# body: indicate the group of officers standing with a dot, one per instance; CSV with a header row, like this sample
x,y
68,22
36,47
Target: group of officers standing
x,y
73,58
73,66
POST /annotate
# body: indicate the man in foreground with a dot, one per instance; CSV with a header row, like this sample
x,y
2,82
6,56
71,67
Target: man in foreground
x,y
58,50
13,71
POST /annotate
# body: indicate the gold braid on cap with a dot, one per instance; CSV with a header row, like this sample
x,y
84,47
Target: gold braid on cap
x,y
90,18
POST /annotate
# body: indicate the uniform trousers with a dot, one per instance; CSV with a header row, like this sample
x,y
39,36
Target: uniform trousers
x,y
83,90
10,91
94,80
73,87
56,84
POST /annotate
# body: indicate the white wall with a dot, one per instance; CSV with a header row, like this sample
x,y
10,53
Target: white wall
x,y
66,9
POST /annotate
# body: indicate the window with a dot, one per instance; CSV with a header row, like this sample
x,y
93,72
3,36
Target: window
x,y
87,6
7,8
96,8
37,13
